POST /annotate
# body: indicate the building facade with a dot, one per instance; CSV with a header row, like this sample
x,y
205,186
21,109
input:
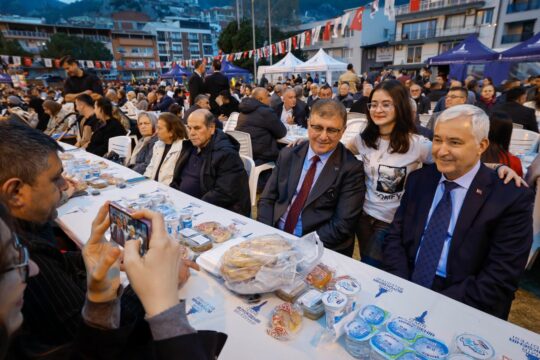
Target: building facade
x,y
518,20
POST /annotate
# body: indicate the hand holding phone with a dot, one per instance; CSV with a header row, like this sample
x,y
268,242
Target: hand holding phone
x,y
125,228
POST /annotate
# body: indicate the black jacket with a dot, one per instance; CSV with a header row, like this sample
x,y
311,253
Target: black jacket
x,y
164,104
423,105
520,114
214,84
299,114
195,87
265,128
224,181
229,108
99,142
360,106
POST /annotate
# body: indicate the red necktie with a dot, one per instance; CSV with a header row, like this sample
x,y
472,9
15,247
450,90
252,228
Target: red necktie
x,y
298,203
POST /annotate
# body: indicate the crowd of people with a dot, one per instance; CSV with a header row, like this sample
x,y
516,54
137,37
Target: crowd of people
x,y
443,205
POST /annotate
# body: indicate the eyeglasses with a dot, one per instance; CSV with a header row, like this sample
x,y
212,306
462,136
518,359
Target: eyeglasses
x,y
384,106
455,97
330,131
23,262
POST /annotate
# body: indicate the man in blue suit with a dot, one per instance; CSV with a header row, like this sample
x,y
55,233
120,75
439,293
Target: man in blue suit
x,y
460,230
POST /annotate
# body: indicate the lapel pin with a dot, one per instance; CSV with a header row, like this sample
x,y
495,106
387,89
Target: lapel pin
x,y
479,192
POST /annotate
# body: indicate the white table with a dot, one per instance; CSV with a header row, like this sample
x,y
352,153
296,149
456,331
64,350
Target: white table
x,y
211,306
293,135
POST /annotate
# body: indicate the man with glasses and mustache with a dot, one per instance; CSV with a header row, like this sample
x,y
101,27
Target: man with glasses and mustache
x,y
456,96
317,185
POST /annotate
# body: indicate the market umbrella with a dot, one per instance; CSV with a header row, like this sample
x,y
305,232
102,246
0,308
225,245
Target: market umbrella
x,y
469,51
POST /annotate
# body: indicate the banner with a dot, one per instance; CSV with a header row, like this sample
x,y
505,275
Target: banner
x,y
345,22
356,23
326,34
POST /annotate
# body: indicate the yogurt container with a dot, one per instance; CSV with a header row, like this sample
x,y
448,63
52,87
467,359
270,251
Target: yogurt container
x,y
374,315
357,335
335,304
385,346
460,357
403,329
473,346
351,288
312,305
410,355
431,349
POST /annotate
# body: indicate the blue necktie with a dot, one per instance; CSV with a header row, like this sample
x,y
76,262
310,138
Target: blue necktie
x,y
433,241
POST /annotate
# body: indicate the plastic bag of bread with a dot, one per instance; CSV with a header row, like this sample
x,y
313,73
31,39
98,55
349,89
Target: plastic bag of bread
x,y
267,263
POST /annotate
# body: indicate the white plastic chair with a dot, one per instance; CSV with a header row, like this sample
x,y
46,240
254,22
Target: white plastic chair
x,y
354,127
523,141
355,115
230,124
122,146
535,249
249,165
424,119
517,126
246,150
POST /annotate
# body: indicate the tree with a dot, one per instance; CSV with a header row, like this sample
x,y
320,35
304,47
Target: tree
x,y
78,47
231,40
11,47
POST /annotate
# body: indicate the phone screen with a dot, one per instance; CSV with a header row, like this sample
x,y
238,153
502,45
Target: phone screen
x,y
124,228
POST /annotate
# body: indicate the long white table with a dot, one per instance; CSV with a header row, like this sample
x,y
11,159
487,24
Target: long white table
x,y
211,306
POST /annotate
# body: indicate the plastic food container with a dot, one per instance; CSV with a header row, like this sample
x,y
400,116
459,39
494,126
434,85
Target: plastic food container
x,y
374,315
319,276
199,243
357,335
351,288
335,304
410,355
312,305
403,329
385,346
171,223
292,292
473,346
431,349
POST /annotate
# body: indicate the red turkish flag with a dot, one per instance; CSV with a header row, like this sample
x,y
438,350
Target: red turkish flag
x,y
97,64
356,22
274,50
294,43
326,34
414,5
27,61
308,37
108,64
57,63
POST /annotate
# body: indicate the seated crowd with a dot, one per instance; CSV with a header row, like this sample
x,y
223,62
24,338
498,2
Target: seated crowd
x,y
442,205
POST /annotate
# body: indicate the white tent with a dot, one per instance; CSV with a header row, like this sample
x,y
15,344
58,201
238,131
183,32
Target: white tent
x,y
285,65
323,62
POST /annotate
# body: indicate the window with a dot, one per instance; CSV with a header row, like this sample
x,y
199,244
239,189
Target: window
x,y
193,37
208,50
414,54
176,36
162,48
207,38
454,21
522,5
194,49
371,53
419,30
176,48
161,36
347,53
484,16
517,31
445,46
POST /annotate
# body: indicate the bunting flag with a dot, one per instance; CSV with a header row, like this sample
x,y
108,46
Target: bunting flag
x,y
98,64
389,9
81,63
107,64
16,60
250,53
317,34
302,40
356,23
90,64
57,63
27,61
289,41
294,43
326,34
5,59
414,5
113,64
47,62
345,21
308,37
283,47
374,8
337,21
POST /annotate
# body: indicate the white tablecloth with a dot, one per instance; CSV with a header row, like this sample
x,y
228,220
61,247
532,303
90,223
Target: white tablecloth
x,y
211,306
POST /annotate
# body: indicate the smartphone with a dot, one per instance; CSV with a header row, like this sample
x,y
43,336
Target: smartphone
x,y
124,227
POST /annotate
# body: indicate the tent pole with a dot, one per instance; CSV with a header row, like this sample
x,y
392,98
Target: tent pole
x,y
254,45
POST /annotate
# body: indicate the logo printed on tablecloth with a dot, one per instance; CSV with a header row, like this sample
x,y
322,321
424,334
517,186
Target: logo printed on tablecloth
x,y
250,314
199,305
386,286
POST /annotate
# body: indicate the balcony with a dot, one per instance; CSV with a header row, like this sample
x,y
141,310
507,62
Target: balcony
x,y
515,38
525,6
438,7
26,34
432,35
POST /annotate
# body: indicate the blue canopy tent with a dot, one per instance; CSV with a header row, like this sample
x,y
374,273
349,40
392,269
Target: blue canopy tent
x,y
231,71
5,79
469,51
528,50
176,73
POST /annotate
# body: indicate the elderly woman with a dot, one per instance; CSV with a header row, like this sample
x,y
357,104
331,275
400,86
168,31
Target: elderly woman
x,y
132,97
171,132
142,154
59,118
142,103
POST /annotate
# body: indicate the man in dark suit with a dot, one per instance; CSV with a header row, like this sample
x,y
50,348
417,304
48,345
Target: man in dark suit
x,y
318,185
196,82
214,84
275,99
289,112
163,101
459,230
514,108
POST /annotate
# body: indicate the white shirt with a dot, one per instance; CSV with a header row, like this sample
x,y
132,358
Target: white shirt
x,y
386,173
285,114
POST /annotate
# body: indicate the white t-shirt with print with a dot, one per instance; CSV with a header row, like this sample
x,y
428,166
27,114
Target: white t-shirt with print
x,y
386,173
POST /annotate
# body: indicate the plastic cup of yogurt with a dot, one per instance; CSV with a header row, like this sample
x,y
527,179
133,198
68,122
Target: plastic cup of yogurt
x,y
403,329
357,335
351,288
334,306
374,315
385,346
431,349
473,346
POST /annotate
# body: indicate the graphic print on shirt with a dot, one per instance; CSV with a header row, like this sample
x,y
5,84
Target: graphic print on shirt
x,y
391,179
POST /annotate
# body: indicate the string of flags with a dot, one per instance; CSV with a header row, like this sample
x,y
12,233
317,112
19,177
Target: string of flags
x,y
332,28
